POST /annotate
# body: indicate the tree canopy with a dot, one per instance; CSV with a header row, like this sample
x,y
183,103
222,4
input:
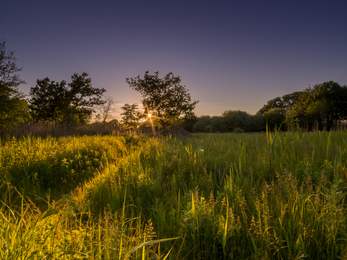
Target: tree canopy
x,y
13,106
165,99
65,103
283,103
8,68
131,115
319,107
322,106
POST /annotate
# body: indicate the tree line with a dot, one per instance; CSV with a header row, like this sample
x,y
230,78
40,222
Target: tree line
x,y
165,100
166,103
320,107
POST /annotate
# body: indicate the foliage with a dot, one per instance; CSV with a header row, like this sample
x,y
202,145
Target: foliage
x,y
47,101
13,107
165,99
319,107
276,111
324,105
61,103
131,115
219,124
188,122
282,104
255,123
235,119
275,118
230,121
8,68
202,123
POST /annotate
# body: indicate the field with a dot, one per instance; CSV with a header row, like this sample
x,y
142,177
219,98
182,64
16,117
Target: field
x,y
220,196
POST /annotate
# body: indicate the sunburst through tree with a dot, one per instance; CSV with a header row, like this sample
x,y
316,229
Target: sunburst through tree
x,y
165,100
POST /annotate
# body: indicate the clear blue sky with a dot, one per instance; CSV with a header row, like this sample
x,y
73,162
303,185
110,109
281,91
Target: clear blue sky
x,y
229,54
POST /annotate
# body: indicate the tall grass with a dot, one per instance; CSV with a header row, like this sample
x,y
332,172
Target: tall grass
x,y
49,129
50,165
65,232
227,196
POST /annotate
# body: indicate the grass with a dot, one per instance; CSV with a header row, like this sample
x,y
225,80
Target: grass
x,y
219,196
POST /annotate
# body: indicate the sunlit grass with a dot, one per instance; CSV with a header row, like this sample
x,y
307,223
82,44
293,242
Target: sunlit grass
x,y
226,196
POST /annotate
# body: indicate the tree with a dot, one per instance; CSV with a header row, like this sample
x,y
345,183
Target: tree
x,y
255,123
277,110
283,103
188,122
165,99
131,115
202,123
219,124
275,118
13,106
235,119
323,105
105,110
61,103
48,100
8,68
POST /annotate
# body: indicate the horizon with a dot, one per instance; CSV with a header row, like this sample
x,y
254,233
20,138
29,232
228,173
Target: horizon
x,y
229,56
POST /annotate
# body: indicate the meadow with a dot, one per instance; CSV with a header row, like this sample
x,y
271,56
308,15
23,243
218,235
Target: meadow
x,y
273,195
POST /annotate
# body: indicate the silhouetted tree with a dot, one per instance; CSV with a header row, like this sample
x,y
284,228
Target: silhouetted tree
x,y
13,106
255,123
283,103
276,110
106,109
165,99
61,103
202,123
131,115
219,124
323,105
188,122
235,119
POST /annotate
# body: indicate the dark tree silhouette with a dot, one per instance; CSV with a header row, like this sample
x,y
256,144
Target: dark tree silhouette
x,y
13,106
165,99
61,103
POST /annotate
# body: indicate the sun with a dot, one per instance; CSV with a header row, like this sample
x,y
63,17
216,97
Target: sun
x,y
149,115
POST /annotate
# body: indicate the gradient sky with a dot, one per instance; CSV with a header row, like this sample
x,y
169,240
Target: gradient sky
x,y
229,54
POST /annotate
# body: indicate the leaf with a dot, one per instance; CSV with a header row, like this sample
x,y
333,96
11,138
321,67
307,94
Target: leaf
x,y
49,213
147,244
168,253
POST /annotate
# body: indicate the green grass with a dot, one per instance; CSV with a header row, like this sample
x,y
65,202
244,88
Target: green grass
x,y
223,196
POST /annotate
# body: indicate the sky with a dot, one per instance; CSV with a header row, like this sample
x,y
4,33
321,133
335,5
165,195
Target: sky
x,y
230,55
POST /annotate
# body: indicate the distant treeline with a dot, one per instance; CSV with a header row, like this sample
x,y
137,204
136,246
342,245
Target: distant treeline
x,y
320,107
230,121
165,102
